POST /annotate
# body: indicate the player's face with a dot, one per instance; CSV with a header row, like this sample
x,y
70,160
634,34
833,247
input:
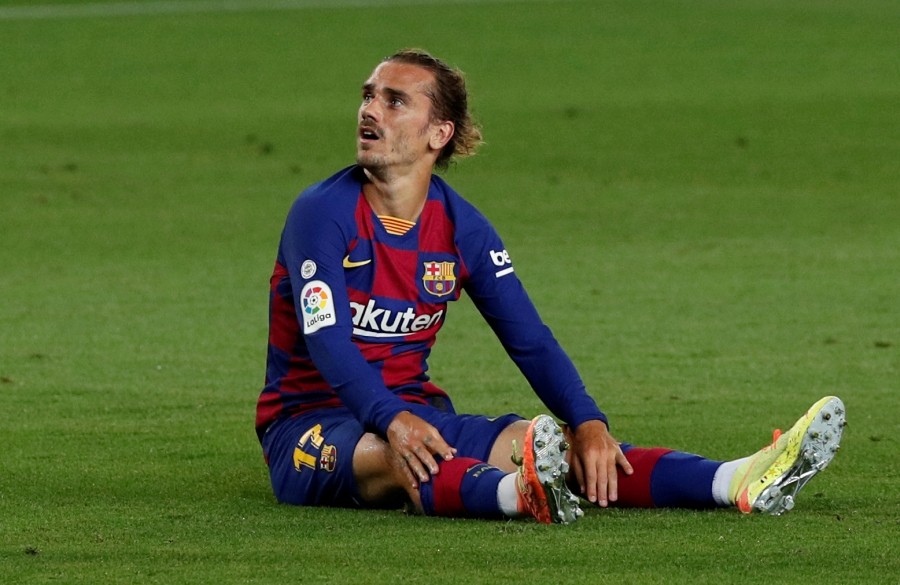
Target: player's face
x,y
395,124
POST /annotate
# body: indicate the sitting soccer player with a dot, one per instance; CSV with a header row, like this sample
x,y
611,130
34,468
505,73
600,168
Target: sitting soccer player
x,y
367,263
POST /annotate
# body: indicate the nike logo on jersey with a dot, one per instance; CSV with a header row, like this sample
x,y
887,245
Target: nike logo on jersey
x,y
348,263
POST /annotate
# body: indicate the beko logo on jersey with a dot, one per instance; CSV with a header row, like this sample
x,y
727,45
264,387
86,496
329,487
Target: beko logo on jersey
x,y
318,306
501,260
369,320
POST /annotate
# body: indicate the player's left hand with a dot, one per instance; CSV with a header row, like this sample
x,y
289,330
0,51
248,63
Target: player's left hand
x,y
596,457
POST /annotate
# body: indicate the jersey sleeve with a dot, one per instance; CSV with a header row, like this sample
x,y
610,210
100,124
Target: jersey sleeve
x,y
313,245
503,302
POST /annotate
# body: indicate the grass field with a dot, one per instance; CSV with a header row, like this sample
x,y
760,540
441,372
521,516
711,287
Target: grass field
x,y
702,197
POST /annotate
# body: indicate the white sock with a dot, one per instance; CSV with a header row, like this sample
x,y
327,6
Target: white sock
x,y
508,496
722,481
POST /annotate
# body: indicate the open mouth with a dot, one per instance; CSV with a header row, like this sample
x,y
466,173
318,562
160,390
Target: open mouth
x,y
367,133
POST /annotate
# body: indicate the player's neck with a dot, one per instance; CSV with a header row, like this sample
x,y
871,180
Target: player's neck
x,y
398,196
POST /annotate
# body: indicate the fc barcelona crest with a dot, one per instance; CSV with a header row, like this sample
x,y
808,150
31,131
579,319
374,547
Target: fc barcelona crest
x,y
439,279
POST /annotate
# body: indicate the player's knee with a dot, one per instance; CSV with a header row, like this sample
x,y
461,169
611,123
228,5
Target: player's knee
x,y
380,480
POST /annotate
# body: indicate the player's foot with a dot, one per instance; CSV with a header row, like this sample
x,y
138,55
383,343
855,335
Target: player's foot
x,y
542,474
770,479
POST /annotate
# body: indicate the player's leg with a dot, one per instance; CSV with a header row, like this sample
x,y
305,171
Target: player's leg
x,y
662,477
470,485
311,458
309,465
535,452
380,479
634,490
683,480
326,458
766,481
665,478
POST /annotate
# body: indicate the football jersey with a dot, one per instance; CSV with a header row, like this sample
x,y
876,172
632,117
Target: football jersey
x,y
355,307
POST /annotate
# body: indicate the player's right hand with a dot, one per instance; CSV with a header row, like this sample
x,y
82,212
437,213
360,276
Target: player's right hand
x,y
596,458
417,442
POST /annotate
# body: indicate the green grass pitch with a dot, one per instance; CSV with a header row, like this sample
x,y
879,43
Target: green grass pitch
x,y
702,198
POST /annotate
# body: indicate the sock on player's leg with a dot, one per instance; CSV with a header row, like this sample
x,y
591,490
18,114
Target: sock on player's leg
x,y
509,498
464,487
666,478
635,489
721,487
467,487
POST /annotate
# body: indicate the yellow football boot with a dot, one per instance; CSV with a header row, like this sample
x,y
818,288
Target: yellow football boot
x,y
770,479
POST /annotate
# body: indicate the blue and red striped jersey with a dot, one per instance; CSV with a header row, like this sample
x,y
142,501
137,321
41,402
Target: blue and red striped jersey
x,y
355,306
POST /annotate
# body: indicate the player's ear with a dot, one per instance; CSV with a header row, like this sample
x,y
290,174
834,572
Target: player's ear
x,y
441,134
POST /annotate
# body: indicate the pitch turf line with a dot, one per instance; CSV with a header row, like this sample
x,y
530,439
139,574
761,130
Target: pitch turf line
x,y
108,9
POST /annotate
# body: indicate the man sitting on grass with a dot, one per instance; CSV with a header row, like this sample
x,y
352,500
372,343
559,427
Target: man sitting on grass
x,y
367,262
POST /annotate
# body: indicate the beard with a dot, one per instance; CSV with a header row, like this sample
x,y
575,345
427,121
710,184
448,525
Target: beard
x,y
388,155
374,164
370,160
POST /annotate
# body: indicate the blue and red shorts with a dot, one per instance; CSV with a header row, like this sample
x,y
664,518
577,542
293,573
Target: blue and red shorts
x,y
310,456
